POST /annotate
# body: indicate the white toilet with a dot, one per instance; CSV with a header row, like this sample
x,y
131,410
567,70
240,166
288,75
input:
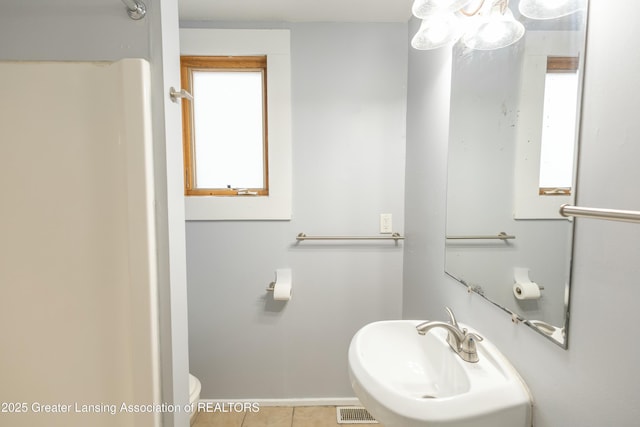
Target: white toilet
x,y
194,396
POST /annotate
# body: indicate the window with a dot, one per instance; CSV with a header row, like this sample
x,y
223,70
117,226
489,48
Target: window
x,y
558,126
272,164
224,128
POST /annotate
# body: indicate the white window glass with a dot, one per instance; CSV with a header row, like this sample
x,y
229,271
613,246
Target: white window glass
x,y
228,121
558,130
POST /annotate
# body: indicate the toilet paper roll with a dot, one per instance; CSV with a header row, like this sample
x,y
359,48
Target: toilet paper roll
x,y
524,291
282,287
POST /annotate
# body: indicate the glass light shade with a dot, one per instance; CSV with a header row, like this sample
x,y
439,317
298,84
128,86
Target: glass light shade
x,y
494,32
426,8
436,31
550,9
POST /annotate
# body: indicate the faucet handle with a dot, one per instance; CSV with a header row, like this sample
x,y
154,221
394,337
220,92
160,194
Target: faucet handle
x,y
452,317
468,350
473,336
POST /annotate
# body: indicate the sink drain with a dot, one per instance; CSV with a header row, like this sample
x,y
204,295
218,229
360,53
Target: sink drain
x,y
428,396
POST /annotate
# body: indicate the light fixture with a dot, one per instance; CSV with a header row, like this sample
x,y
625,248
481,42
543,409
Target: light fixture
x,y
480,24
496,30
436,31
550,9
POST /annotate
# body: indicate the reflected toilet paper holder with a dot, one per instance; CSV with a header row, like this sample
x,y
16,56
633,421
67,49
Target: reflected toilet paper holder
x,y
524,288
519,291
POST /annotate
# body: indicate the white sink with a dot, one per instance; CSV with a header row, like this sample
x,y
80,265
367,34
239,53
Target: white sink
x,y
407,380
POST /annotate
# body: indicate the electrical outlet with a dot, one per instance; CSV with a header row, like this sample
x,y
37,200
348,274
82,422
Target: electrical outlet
x,y
386,224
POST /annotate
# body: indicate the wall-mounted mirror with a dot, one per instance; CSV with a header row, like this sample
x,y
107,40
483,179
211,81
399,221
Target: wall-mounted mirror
x,y
512,162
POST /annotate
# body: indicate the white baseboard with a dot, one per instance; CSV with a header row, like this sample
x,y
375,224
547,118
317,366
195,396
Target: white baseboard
x,y
320,401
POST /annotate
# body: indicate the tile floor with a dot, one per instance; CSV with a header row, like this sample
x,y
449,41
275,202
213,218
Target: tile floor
x,y
275,416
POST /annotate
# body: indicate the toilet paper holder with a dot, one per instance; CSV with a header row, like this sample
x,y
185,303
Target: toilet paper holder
x,y
281,287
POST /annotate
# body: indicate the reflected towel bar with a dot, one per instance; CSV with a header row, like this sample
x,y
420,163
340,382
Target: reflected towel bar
x,y
393,236
500,236
608,214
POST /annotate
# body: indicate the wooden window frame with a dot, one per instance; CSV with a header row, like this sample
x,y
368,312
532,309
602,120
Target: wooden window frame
x,y
188,64
562,64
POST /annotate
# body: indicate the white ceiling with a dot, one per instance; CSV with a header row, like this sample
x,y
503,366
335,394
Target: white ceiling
x,y
296,10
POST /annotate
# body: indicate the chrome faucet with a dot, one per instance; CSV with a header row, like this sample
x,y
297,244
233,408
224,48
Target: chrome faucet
x,y
460,341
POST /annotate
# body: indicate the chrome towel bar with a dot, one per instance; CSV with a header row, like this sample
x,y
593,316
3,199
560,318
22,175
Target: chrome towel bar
x,y
608,214
393,236
500,236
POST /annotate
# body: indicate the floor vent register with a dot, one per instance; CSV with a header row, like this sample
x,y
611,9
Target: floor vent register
x,y
354,415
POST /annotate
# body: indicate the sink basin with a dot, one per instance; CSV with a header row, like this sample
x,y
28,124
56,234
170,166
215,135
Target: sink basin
x,y
407,380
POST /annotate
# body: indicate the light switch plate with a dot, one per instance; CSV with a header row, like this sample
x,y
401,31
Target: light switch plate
x,y
386,223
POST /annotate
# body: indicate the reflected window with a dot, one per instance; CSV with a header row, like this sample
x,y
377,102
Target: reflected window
x,y
559,126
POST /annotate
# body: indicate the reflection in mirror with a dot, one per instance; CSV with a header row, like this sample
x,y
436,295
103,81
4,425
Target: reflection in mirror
x,y
559,114
503,105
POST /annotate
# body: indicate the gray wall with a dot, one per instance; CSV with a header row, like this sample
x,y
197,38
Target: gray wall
x,y
78,30
348,102
596,382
